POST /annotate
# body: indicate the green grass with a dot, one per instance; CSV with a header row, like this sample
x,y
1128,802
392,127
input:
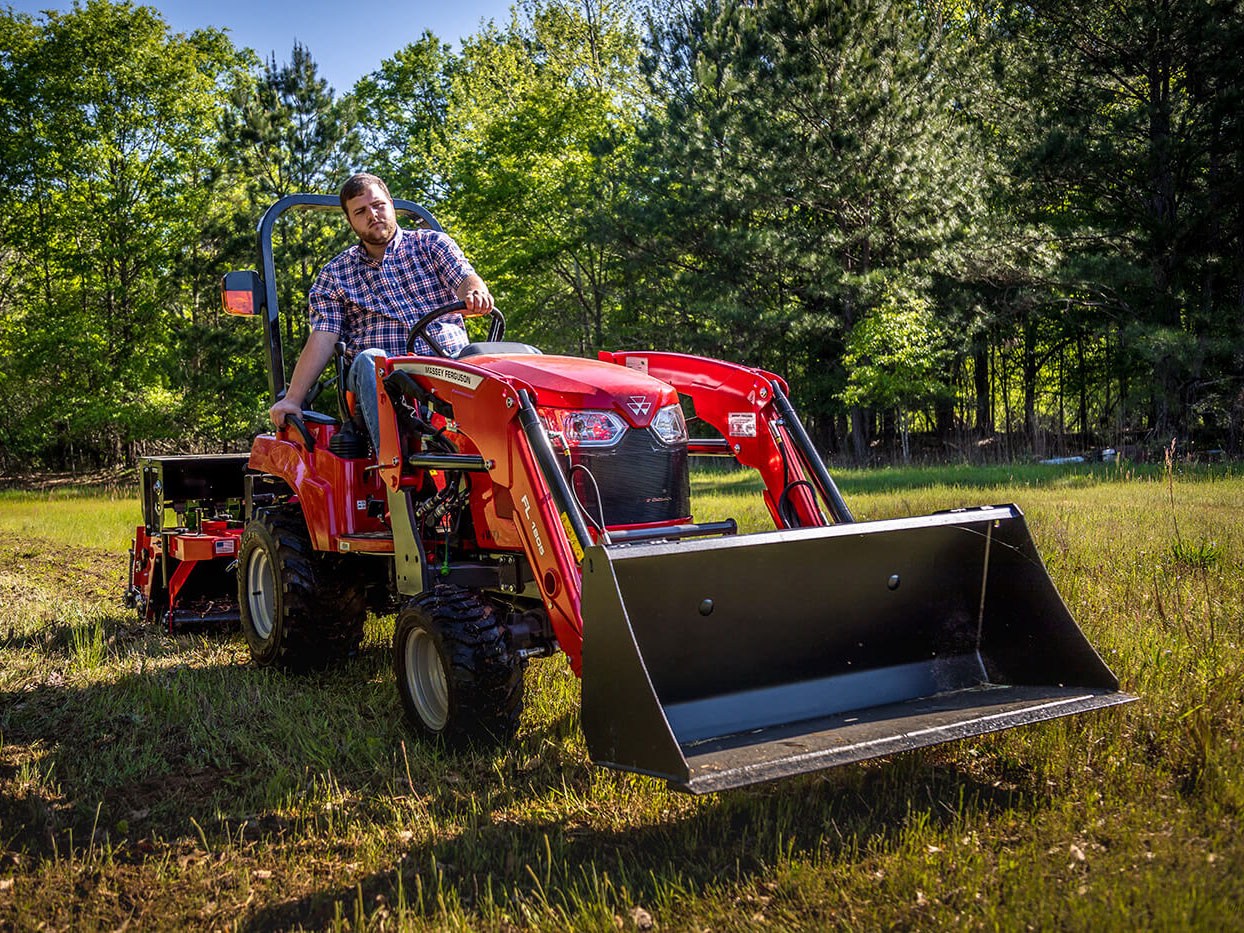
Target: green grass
x,y
163,782
73,515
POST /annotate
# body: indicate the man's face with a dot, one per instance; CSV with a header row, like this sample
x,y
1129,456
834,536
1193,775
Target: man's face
x,y
371,215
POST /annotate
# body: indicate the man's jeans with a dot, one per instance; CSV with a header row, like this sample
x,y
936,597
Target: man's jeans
x,y
362,382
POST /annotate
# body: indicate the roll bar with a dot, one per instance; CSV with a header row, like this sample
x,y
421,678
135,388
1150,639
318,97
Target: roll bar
x,y
267,264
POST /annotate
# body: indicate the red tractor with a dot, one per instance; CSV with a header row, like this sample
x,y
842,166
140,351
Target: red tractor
x,y
523,503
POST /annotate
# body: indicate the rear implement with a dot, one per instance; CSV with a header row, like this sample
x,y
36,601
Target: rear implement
x,y
182,555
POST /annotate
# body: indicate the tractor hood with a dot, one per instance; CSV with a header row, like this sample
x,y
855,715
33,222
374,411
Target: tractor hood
x,y
575,383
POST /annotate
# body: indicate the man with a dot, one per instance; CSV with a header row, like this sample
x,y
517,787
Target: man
x,y
370,295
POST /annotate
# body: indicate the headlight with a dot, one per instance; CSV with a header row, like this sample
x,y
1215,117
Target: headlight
x,y
584,428
669,425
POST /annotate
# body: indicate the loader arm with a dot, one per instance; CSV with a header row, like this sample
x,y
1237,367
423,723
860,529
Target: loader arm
x,y
748,407
522,502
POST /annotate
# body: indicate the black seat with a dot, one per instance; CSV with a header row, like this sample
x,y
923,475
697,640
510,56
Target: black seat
x,y
318,417
495,347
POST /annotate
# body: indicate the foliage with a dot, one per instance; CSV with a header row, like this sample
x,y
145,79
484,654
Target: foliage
x,y
286,133
895,357
803,148
543,118
404,110
1056,186
110,119
1135,165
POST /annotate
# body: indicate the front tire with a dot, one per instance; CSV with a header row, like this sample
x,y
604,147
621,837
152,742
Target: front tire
x,y
457,678
300,609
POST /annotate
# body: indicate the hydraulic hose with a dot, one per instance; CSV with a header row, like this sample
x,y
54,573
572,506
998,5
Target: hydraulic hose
x,y
829,489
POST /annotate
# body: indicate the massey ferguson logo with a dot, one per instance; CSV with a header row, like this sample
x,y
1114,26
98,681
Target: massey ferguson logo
x,y
640,405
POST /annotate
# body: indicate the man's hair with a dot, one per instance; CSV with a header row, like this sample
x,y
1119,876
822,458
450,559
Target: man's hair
x,y
357,182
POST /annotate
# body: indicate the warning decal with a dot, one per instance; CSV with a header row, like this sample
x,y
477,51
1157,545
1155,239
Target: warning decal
x,y
572,538
742,423
637,362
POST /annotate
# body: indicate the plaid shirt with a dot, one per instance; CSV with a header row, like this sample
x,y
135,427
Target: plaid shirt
x,y
373,303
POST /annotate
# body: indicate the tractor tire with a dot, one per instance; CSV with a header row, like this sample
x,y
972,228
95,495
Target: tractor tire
x,y
300,609
458,680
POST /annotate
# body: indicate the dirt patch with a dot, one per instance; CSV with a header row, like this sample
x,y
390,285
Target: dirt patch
x,y
110,478
50,566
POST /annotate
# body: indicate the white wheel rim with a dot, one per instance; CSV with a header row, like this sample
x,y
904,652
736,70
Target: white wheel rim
x,y
425,680
260,586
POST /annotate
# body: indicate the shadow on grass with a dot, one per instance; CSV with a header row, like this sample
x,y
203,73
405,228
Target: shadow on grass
x,y
561,869
197,749
184,739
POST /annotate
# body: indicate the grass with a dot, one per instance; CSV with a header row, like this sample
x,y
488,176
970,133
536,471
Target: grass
x,y
157,782
101,519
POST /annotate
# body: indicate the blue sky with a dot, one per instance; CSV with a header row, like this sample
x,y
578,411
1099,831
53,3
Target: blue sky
x,y
347,38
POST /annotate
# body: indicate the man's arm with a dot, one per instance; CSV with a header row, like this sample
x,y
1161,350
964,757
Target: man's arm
x,y
315,355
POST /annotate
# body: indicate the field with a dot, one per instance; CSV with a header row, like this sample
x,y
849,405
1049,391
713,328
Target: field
x,y
156,782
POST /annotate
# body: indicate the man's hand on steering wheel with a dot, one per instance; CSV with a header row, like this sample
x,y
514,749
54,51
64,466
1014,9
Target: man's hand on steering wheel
x,y
475,295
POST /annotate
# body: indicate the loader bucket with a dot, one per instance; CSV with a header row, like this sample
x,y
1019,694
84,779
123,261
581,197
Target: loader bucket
x,y
725,662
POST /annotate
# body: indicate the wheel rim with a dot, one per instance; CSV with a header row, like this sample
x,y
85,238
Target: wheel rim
x,y
425,680
260,587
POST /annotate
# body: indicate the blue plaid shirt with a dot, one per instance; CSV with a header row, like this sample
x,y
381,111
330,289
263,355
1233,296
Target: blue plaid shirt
x,y
373,303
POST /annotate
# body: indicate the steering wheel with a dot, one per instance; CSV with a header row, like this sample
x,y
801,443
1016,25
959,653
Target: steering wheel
x,y
496,330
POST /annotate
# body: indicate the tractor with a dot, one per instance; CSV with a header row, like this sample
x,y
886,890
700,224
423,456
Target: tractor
x,y
522,504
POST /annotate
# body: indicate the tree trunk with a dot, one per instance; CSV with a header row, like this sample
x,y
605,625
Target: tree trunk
x,y
859,438
980,385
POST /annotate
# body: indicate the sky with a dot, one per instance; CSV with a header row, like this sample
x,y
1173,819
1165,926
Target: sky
x,y
346,38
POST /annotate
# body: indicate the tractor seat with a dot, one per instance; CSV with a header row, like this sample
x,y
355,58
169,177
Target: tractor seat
x,y
318,417
495,347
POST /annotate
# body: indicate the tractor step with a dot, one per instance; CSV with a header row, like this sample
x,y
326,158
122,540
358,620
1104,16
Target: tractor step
x,y
370,542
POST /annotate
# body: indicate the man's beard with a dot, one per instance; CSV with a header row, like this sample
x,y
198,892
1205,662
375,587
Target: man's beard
x,y
376,235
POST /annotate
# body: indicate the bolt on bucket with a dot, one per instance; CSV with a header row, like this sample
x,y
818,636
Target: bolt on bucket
x,y
727,662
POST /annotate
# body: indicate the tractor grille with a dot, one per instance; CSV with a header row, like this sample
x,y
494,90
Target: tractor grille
x,y
641,480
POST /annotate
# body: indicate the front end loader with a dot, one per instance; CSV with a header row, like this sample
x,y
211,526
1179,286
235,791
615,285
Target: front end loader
x,y
521,504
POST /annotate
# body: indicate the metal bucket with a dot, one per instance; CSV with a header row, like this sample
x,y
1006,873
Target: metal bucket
x,y
725,662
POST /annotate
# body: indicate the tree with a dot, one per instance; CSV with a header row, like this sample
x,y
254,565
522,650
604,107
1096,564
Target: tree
x,y
287,132
801,149
403,111
1138,170
542,116
895,359
111,114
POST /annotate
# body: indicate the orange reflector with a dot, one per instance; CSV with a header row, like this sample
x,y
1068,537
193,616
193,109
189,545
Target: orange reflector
x,y
238,302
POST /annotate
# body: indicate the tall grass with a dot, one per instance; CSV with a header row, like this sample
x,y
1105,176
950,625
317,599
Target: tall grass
x,y
73,516
156,781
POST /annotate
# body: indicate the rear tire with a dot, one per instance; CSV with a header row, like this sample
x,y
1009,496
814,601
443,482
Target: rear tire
x,y
300,609
457,678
